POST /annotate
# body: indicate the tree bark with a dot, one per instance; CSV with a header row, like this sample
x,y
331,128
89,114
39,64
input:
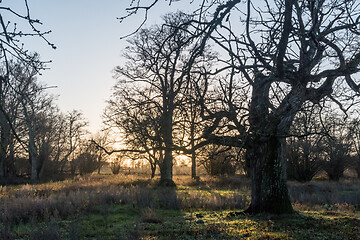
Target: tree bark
x,y
193,165
153,170
166,166
33,156
2,165
3,135
268,174
166,170
3,154
100,164
193,153
265,151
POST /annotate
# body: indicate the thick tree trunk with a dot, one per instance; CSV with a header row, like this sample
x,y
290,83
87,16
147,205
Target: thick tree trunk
x,y
166,170
166,166
265,149
2,153
268,175
193,153
358,166
2,137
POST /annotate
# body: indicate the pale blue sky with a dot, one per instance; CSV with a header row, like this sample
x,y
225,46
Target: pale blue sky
x,y
87,35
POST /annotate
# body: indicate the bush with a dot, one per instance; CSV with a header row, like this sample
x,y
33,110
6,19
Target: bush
x,y
86,163
336,159
303,161
22,166
115,168
219,161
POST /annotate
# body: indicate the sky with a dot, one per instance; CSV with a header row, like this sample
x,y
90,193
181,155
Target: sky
x,y
87,35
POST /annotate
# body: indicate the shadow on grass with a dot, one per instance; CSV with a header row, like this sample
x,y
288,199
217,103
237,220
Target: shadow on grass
x,y
159,213
161,219
304,225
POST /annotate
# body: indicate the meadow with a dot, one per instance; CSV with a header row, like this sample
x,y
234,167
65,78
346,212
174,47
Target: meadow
x,y
131,206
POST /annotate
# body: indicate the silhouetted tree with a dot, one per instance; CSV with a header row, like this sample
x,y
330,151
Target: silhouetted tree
x,y
102,138
157,60
34,125
283,54
137,120
13,29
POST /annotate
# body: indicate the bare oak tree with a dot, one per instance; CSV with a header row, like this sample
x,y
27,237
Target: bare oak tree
x,y
287,53
158,61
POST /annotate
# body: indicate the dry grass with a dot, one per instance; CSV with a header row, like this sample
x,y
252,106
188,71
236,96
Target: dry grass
x,y
71,199
62,199
325,192
19,204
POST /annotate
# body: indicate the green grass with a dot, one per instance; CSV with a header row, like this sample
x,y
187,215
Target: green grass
x,y
114,207
127,222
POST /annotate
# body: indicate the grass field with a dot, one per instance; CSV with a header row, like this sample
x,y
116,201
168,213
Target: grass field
x,y
133,207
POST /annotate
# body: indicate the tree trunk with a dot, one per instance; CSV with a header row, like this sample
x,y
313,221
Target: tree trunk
x,y
100,164
357,168
2,165
153,170
193,153
33,157
269,191
2,138
193,165
166,170
265,149
3,154
4,144
166,166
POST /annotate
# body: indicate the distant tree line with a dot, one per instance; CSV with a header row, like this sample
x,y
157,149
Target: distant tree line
x,y
37,139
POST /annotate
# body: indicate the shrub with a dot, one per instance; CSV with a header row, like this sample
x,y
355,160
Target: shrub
x,y
86,163
336,159
303,161
218,161
115,168
22,166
